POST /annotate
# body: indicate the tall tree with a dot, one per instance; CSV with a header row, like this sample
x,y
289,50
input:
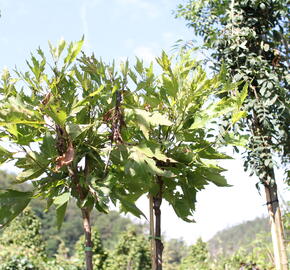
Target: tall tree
x,y
250,38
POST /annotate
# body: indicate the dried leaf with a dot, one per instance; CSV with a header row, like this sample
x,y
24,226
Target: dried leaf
x,y
66,158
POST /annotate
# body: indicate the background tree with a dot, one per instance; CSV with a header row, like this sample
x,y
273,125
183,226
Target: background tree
x,y
99,254
131,253
22,245
250,38
198,257
174,251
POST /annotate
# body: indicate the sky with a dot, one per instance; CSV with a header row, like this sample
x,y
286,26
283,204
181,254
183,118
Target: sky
x,y
120,29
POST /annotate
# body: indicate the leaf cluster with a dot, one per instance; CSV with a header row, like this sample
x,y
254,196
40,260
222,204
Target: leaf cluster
x,y
84,129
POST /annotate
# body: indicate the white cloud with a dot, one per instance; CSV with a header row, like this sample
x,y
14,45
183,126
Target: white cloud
x,y
150,9
145,53
86,5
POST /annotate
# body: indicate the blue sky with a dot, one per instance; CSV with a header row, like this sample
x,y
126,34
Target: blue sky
x,y
113,29
117,29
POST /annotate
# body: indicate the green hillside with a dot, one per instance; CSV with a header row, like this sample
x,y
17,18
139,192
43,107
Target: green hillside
x,y
229,240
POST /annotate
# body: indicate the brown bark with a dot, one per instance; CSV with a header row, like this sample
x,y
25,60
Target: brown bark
x,y
157,200
269,181
88,239
152,233
82,193
277,232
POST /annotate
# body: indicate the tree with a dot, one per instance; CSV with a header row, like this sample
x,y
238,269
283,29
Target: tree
x,y
79,131
250,38
174,251
165,150
53,127
21,243
131,253
198,257
99,254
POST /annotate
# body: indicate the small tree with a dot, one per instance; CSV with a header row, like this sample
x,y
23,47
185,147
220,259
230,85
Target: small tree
x,y
198,257
131,253
99,254
53,131
167,148
79,131
174,251
22,243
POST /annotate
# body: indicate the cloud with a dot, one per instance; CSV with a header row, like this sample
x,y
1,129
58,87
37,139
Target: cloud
x,y
86,5
150,9
145,53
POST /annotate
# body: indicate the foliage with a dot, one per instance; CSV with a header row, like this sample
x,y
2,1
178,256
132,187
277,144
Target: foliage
x,y
132,252
99,254
229,240
18,263
174,251
168,118
250,38
55,123
198,257
21,242
78,131
71,116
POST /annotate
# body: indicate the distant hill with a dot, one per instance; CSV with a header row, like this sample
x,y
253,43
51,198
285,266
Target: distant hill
x,y
110,226
229,240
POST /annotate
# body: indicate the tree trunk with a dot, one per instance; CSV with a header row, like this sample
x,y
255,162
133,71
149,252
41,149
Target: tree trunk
x,y
269,181
152,233
157,200
277,232
88,239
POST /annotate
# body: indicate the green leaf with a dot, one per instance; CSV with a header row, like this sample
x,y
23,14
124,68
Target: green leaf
x,y
128,206
29,174
244,93
156,118
213,111
237,115
236,139
57,114
182,209
62,199
60,213
214,177
75,130
209,152
73,50
48,147
145,164
145,119
4,154
60,48
156,171
12,203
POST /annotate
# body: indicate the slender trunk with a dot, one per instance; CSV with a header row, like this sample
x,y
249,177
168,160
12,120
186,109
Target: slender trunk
x,y
152,233
277,232
157,200
88,239
269,181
